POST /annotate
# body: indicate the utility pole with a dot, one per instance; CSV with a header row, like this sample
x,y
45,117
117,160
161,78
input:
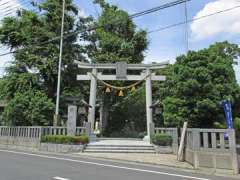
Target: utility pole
x,y
56,116
186,26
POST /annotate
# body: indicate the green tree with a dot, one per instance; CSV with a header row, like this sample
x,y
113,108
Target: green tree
x,y
117,39
25,33
28,109
197,83
32,37
128,114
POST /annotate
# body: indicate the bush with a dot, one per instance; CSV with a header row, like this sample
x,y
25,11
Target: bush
x,y
61,139
161,139
237,123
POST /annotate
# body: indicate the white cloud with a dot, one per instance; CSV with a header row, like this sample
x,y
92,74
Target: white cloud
x,y
227,22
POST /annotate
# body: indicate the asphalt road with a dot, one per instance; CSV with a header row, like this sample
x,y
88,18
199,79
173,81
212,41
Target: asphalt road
x,y
16,165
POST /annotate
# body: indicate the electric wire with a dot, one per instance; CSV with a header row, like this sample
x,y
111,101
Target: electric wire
x,y
8,10
191,20
142,13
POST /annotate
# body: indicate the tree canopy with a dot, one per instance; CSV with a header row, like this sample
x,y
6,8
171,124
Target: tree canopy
x,y
32,37
195,86
118,38
197,83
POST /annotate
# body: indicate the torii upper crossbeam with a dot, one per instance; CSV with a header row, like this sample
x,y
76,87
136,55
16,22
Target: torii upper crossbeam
x,y
121,74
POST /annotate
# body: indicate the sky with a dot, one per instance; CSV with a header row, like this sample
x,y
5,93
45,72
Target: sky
x,y
170,43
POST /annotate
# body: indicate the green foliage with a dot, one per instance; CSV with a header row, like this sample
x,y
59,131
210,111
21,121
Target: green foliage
x,y
127,117
17,83
128,131
117,40
35,65
22,33
61,139
197,83
219,125
237,123
28,108
33,74
161,139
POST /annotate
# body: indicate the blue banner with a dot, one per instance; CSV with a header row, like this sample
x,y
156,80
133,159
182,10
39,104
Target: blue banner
x,y
228,113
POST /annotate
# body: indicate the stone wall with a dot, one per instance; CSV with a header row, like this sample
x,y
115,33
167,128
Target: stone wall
x,y
61,148
212,148
29,137
173,132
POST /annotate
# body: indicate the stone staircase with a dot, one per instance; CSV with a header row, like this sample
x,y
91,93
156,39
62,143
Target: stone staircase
x,y
118,145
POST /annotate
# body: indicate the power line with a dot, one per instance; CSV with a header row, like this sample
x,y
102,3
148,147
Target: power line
x,y
191,20
12,9
12,6
167,5
5,3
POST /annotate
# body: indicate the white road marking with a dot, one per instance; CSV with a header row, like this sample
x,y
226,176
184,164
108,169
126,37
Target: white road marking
x,y
106,165
60,178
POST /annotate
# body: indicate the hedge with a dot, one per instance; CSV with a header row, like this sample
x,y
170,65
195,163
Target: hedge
x,y
161,139
61,139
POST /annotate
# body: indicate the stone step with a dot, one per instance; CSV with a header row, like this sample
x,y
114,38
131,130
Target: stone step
x,y
114,145
117,151
120,147
124,139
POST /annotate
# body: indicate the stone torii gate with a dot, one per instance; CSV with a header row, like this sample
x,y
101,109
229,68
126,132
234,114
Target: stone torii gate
x,y
121,75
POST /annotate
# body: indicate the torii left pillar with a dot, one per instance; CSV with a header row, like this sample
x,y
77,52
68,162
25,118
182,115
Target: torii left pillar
x,y
149,113
92,99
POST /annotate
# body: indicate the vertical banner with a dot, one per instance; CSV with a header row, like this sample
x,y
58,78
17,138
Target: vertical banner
x,y
228,113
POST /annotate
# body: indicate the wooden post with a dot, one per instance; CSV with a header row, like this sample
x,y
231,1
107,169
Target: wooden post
x,y
181,147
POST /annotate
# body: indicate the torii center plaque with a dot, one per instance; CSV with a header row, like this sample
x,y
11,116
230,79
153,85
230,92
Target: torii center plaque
x,y
121,70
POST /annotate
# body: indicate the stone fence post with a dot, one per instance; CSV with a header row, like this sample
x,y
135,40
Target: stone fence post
x,y
175,140
151,129
233,149
72,120
88,128
195,145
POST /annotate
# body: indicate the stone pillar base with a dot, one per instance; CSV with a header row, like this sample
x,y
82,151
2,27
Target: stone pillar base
x,y
92,137
56,119
147,138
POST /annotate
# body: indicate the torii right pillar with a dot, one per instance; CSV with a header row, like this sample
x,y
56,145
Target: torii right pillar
x,y
149,113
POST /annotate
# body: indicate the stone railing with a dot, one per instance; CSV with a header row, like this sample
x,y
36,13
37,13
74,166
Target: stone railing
x,y
23,136
173,132
30,137
62,130
212,148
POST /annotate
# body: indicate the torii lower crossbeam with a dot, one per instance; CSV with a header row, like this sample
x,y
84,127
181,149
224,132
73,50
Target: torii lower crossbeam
x,y
146,75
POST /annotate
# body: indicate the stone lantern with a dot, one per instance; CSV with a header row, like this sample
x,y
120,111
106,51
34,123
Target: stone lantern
x,y
157,113
73,104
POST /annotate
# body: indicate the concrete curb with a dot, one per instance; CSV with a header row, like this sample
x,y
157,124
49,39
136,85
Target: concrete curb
x,y
114,160
131,161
